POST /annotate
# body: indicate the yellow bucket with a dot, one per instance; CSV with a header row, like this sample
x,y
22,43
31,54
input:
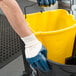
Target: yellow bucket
x,y
56,30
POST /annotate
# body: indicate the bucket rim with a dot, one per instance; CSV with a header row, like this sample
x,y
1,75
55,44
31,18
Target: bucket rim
x,y
40,12
57,31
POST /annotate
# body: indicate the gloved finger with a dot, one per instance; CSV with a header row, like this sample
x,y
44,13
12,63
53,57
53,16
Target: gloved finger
x,y
44,51
46,2
41,2
50,2
38,2
53,1
41,64
44,64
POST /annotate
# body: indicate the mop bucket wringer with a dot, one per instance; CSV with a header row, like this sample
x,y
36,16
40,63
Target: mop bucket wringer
x,y
56,30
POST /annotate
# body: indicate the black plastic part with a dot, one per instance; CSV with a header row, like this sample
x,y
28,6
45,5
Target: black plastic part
x,y
74,49
72,60
25,74
57,70
10,47
62,69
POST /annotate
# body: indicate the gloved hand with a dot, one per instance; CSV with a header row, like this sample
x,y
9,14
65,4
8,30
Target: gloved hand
x,y
46,2
39,61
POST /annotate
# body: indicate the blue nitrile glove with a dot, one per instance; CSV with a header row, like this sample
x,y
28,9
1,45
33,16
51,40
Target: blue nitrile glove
x,y
43,2
40,2
46,2
50,2
39,61
53,1
44,51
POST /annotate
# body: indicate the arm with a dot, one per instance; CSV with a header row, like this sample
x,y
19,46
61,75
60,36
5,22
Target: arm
x,y
33,46
15,17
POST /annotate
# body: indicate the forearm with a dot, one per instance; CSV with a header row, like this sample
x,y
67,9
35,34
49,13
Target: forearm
x,y
15,17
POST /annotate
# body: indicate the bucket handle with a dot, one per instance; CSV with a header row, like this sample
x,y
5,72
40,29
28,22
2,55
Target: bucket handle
x,y
29,6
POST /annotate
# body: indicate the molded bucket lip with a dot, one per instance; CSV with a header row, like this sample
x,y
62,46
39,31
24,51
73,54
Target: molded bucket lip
x,y
64,67
55,10
57,31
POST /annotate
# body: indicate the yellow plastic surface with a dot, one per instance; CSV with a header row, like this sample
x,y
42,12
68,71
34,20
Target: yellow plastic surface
x,y
56,30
